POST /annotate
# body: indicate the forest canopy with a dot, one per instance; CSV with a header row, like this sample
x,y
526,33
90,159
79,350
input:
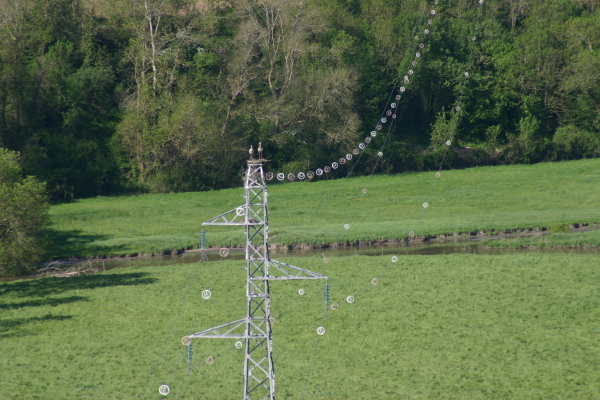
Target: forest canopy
x,y
106,96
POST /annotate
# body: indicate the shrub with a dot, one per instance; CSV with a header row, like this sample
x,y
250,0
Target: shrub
x,y
23,217
559,228
572,143
527,146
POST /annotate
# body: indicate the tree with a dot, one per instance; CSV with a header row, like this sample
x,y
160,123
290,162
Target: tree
x,y
57,95
23,217
157,126
292,91
169,95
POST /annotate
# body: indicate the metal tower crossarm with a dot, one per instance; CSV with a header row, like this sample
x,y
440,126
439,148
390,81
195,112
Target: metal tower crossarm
x,y
230,330
255,329
289,272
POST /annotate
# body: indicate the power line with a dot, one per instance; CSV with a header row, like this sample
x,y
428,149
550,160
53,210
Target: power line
x,y
254,214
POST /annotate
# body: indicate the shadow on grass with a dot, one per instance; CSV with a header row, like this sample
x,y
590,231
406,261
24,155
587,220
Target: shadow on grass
x,y
67,244
43,302
13,324
52,285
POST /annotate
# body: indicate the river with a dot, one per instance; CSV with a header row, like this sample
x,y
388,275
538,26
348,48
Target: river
x,y
459,245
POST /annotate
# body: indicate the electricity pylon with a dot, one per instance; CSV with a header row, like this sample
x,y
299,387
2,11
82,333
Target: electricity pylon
x,y
255,329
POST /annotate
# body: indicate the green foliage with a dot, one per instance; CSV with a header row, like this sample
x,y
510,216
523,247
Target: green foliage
x,y
169,95
441,131
571,143
459,326
492,139
23,217
57,89
472,200
559,228
528,146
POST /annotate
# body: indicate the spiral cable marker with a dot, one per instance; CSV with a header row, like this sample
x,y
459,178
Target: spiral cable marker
x,y
255,329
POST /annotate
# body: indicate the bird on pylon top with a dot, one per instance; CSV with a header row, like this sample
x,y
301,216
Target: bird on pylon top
x,y
260,149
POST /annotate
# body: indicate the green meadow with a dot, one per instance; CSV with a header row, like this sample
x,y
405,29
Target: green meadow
x,y
461,326
458,327
590,239
471,200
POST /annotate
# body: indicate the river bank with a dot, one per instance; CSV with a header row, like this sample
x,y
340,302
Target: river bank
x,y
583,239
486,237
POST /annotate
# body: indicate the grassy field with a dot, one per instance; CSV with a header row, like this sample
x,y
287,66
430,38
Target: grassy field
x,y
456,327
486,198
590,239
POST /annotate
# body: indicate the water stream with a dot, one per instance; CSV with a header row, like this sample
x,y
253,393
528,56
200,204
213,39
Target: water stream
x,y
458,245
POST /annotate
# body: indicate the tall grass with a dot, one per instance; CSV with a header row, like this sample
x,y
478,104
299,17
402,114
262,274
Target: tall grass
x,y
557,240
460,326
478,199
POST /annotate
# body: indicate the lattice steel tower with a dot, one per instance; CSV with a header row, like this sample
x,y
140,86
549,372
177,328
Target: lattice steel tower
x,y
255,328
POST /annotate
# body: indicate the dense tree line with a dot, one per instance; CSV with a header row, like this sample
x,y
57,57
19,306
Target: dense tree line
x,y
104,96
